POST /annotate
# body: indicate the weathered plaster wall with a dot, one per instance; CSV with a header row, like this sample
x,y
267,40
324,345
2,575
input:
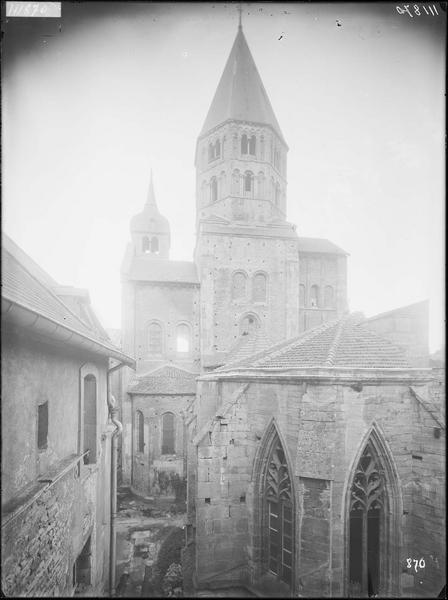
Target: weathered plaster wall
x,y
323,428
41,542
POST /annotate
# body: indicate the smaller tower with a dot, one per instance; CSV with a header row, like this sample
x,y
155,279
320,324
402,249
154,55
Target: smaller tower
x,y
150,231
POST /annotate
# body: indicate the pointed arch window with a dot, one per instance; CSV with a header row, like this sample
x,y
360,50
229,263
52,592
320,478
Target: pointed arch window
x,y
155,338
238,286
279,514
328,296
154,245
259,288
252,145
213,189
168,433
145,244
366,524
244,144
314,296
139,424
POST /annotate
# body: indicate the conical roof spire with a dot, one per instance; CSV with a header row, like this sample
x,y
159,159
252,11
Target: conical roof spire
x,y
150,218
240,95
151,199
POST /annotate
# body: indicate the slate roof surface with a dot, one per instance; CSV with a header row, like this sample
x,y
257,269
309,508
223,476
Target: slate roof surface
x,y
319,245
166,380
342,343
247,346
240,94
163,270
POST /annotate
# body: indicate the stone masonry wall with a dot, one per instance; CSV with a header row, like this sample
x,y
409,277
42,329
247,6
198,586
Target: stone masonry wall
x,y
153,472
323,428
219,257
40,545
322,270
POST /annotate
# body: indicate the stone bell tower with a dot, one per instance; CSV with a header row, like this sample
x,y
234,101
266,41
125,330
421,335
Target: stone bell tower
x,y
246,251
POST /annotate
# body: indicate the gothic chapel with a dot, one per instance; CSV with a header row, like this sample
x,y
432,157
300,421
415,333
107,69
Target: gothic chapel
x,y
311,443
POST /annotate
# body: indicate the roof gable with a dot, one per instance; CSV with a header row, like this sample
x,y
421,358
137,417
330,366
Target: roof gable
x,y
165,380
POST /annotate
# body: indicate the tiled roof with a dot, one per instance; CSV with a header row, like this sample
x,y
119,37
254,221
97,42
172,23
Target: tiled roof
x,y
248,345
240,94
319,245
166,271
166,380
342,343
30,288
19,286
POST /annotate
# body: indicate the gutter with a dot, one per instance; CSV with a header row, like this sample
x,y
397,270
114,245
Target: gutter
x,y
28,318
113,413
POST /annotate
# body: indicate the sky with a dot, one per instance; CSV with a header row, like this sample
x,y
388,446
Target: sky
x,y
96,99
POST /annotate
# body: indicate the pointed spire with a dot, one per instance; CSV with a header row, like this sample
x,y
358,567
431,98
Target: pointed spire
x,y
240,94
151,199
240,10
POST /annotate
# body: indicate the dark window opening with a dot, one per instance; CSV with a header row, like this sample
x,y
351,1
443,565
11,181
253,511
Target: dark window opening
x,y
248,181
248,325
82,569
213,189
168,434
42,426
244,144
314,297
367,500
90,419
140,431
252,145
217,149
207,500
280,519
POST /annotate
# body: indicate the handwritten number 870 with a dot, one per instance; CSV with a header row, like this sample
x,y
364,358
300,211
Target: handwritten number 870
x,y
418,564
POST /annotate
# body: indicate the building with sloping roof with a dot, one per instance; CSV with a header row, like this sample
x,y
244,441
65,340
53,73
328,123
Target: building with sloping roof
x,y
160,402
300,444
57,436
310,430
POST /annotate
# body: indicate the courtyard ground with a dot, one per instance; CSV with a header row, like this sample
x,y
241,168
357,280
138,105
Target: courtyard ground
x,y
150,537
